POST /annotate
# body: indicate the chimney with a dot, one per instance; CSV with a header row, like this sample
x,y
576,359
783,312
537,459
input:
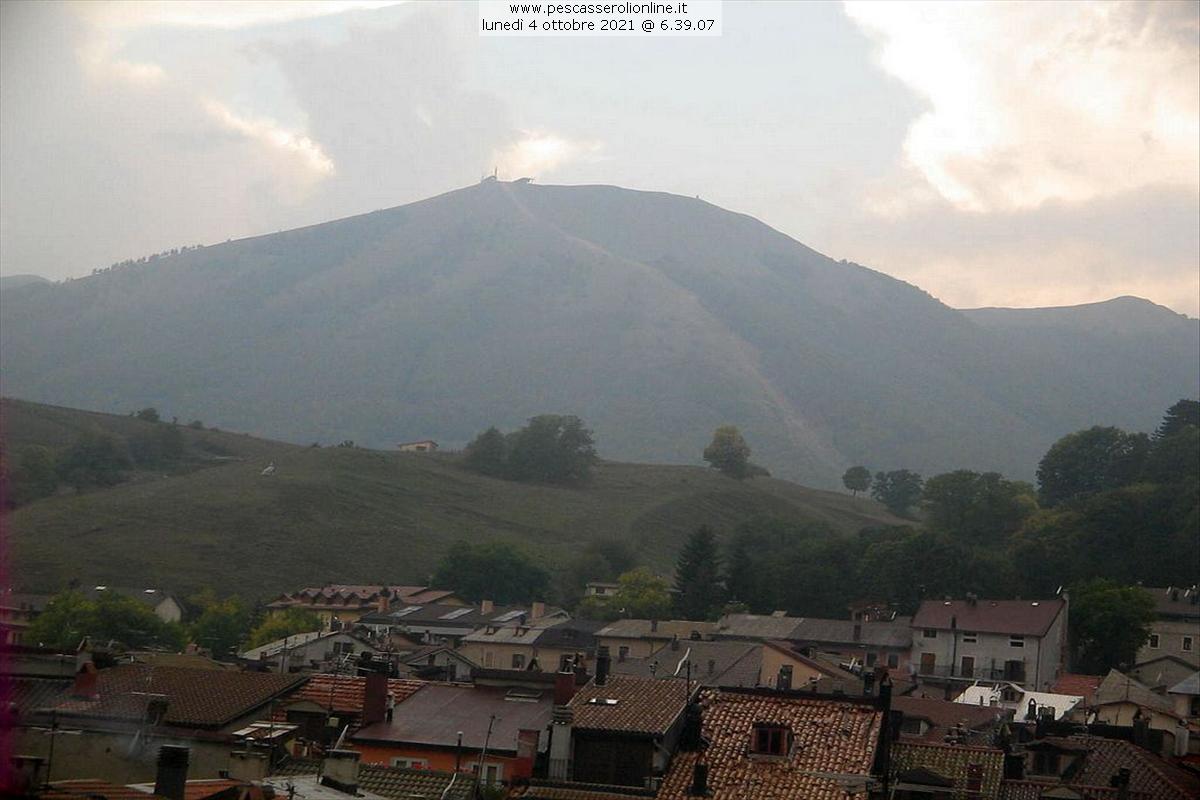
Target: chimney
x,y
561,723
538,609
85,682
603,662
654,626
375,691
858,631
699,787
1141,731
783,681
381,604
674,642
690,738
1014,767
1182,738
1121,782
868,683
247,765
564,687
170,780
1031,710
486,607
339,770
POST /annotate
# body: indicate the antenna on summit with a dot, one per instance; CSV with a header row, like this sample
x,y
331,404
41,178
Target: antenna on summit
x,y
490,178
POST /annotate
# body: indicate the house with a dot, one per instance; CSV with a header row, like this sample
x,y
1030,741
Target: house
x,y
1161,671
639,638
17,611
494,731
1015,641
164,605
1176,628
928,719
600,589
1186,697
314,650
1124,702
419,446
760,743
1094,767
1023,703
301,777
712,663
114,720
868,643
437,662
926,770
621,729
543,644
325,705
343,604
439,623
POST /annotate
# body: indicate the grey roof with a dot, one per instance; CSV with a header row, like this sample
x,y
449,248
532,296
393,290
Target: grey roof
x,y
1118,687
1177,602
896,633
756,626
451,617
1189,685
713,663
578,634
656,629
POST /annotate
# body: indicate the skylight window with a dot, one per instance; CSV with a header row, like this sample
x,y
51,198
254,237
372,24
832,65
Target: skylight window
x,y
456,613
404,612
509,615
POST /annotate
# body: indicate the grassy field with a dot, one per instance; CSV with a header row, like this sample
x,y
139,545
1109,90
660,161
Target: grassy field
x,y
353,515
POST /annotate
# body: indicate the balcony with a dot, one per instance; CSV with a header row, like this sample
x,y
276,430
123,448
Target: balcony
x,y
1012,674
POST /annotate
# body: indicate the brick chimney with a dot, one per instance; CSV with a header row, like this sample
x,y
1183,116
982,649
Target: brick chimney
x,y
86,679
381,603
486,607
564,687
537,610
375,693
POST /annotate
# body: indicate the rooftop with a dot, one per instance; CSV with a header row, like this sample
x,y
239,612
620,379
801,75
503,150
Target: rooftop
x,y
896,633
629,705
1084,686
1181,602
656,629
197,698
953,763
1022,617
1189,685
392,782
942,715
834,743
436,713
757,626
713,663
1150,775
1117,687
342,694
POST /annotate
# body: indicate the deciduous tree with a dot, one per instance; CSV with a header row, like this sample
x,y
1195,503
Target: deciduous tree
x,y
857,479
729,452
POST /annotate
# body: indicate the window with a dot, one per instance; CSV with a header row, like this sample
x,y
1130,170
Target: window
x,y
871,659
893,660
1154,641
411,763
1187,644
970,637
489,659
622,653
785,677
770,740
343,648
912,725
1016,641
929,633
1045,763
518,661
492,773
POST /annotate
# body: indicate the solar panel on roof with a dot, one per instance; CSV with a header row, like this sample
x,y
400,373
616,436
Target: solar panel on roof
x,y
456,613
406,611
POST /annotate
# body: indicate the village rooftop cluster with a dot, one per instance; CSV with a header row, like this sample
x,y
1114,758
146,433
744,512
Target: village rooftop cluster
x,y
412,692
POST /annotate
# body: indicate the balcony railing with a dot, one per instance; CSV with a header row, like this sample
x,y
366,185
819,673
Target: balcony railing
x,y
977,673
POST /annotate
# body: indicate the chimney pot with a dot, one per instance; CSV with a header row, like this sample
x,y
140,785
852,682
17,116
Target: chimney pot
x,y
603,662
170,780
564,687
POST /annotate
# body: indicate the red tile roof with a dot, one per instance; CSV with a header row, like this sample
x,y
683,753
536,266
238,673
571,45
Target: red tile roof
x,y
341,694
91,788
953,762
1084,686
1024,617
197,698
1150,775
834,745
643,705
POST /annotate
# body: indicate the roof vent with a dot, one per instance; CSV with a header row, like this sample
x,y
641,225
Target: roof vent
x,y
602,701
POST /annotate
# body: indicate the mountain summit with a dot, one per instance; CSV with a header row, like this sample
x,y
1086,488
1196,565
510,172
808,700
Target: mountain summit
x,y
654,317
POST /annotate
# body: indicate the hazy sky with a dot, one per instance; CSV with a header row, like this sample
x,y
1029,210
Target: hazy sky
x,y
1007,154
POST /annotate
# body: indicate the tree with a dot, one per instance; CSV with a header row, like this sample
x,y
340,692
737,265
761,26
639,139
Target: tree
x,y
487,453
728,452
698,591
1109,623
282,625
551,449
857,479
95,459
899,490
1090,461
34,475
600,560
111,617
148,415
640,595
493,570
222,625
1184,414
976,507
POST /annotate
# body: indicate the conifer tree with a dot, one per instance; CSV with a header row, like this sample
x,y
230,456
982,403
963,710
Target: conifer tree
x,y
697,576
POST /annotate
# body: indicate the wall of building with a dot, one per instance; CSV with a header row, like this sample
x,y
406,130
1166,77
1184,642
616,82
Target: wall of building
x,y
117,757
1170,641
1040,655
773,659
638,648
444,759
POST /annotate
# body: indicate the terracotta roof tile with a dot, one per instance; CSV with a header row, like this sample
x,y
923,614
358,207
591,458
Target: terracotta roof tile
x,y
643,705
395,782
944,714
1071,683
953,762
91,788
834,746
341,694
195,697
1150,774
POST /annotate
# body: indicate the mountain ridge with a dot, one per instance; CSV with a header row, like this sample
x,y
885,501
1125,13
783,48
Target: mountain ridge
x,y
654,317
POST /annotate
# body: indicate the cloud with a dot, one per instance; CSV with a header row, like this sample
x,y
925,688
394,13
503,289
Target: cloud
x,y
1030,103
270,134
126,14
538,153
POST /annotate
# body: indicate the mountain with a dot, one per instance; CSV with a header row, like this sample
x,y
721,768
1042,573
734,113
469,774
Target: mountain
x,y
654,317
17,281
352,515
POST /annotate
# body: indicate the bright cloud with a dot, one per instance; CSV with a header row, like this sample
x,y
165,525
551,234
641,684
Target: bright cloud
x,y
270,134
537,153
1037,102
208,14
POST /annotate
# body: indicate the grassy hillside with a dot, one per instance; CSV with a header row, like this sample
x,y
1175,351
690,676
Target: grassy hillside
x,y
353,515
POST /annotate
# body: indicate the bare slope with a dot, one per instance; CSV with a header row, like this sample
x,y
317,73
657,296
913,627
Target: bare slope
x,y
654,317
354,515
